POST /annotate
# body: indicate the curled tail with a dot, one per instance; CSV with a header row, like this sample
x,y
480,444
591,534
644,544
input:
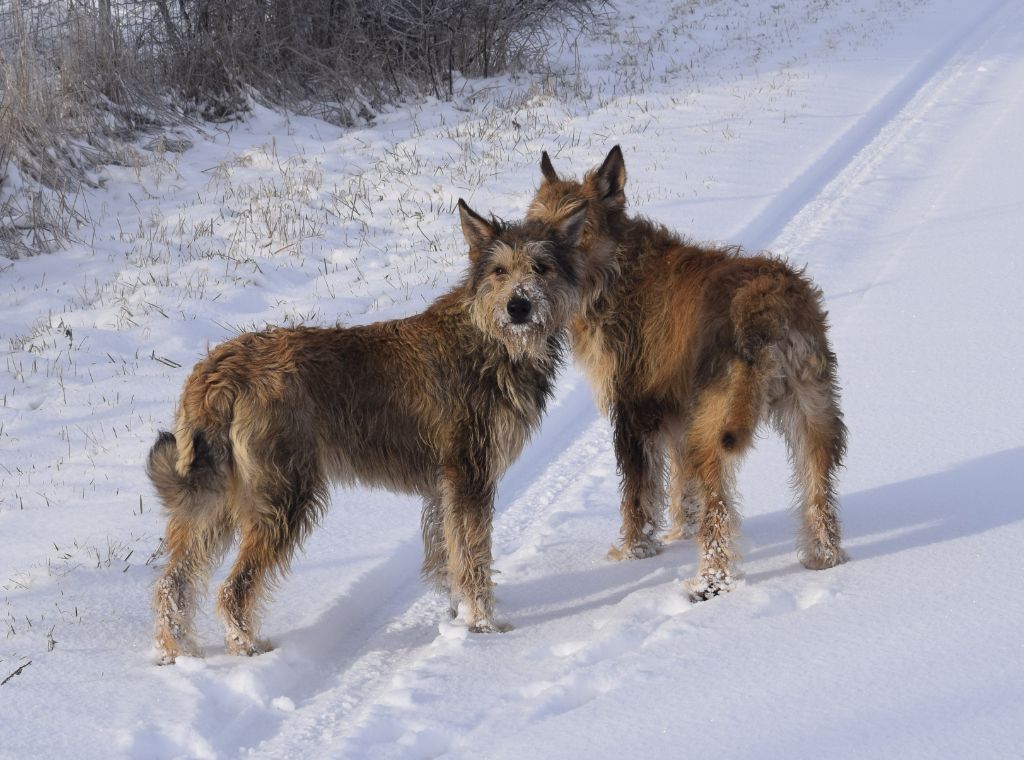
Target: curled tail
x,y
190,467
191,480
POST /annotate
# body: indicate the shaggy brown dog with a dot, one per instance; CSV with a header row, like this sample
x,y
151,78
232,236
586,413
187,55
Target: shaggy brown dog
x,y
689,348
438,404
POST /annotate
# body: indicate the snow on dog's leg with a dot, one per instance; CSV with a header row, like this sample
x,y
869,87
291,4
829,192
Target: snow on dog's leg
x,y
809,416
684,500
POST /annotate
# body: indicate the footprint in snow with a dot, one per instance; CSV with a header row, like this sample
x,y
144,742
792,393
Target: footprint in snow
x,y
772,602
556,698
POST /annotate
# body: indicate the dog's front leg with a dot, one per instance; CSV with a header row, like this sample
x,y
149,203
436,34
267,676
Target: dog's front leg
x,y
467,506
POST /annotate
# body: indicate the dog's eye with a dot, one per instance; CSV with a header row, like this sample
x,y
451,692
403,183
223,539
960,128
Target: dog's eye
x,y
500,271
540,267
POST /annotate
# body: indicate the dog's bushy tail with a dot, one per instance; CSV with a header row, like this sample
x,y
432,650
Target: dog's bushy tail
x,y
190,467
191,480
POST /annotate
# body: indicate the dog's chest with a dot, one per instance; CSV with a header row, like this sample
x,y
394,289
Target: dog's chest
x,y
508,436
516,411
588,346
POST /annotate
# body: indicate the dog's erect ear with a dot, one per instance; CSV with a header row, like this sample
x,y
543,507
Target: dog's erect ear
x,y
479,233
550,175
570,226
611,179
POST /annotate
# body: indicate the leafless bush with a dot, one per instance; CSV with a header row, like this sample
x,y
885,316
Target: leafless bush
x,y
354,53
72,88
78,76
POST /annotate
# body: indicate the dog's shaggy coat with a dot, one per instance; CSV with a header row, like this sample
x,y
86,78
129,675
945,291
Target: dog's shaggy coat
x,y
689,348
438,404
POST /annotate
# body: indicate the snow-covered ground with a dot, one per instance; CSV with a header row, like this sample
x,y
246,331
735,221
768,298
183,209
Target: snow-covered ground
x,y
877,142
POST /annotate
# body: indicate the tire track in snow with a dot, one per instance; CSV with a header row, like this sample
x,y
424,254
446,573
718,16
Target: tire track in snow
x,y
384,718
245,702
859,144
948,63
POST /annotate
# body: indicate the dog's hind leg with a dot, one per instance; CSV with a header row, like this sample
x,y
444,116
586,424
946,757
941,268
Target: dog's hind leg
x,y
274,519
684,502
194,547
810,419
724,422
259,556
199,528
641,460
718,523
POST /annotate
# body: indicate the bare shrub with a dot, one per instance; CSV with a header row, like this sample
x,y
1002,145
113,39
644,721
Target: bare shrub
x,y
71,90
356,54
77,78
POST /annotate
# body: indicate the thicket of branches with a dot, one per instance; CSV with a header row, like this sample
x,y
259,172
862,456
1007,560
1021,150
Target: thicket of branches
x,y
363,50
78,76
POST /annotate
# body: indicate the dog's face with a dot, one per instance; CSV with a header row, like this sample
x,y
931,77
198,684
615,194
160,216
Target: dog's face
x,y
602,196
602,193
524,278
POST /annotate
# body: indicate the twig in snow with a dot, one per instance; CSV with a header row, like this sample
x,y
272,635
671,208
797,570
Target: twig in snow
x,y
15,673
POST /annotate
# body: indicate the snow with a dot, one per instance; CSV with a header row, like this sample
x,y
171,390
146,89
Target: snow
x,y
875,142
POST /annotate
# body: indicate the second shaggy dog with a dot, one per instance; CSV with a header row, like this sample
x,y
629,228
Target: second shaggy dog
x,y
689,348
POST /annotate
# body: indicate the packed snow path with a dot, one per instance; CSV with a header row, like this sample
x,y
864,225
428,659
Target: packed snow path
x,y
878,146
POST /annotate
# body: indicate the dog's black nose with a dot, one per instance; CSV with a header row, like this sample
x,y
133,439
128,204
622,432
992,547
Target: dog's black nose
x,y
519,309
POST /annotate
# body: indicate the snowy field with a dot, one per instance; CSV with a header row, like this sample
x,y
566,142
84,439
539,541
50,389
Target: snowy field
x,y
877,142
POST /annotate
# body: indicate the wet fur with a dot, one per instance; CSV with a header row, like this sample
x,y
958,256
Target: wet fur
x,y
690,348
438,404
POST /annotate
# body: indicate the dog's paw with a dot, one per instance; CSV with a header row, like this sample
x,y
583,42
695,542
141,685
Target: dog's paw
x,y
166,658
709,585
490,626
648,547
822,557
245,646
680,533
170,648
